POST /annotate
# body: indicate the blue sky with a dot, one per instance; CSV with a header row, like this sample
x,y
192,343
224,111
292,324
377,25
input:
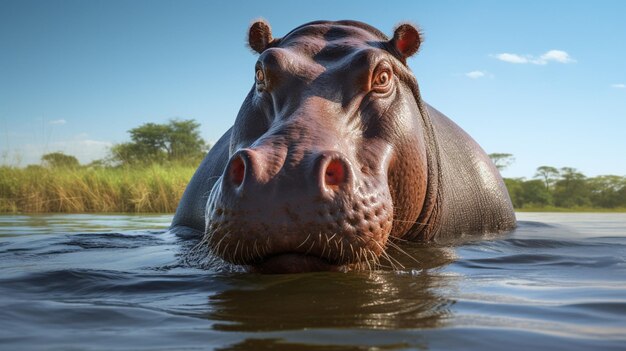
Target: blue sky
x,y
543,80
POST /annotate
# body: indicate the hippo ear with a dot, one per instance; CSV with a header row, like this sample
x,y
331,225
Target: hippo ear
x,y
259,36
406,40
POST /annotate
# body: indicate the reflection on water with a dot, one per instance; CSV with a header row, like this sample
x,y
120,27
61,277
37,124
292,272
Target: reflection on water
x,y
377,300
107,282
11,225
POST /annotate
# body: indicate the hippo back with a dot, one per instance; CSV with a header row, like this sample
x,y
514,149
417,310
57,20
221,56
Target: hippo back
x,y
474,198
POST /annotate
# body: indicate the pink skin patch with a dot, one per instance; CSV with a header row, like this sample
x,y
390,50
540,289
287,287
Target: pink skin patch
x,y
405,44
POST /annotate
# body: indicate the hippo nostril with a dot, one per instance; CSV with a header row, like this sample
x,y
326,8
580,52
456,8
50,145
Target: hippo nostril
x,y
237,170
335,173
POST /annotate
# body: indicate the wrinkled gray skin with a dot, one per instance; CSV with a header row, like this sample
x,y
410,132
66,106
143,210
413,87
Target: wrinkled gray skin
x,y
334,155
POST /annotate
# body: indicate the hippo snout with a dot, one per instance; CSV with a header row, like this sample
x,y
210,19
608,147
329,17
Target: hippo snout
x,y
315,214
329,172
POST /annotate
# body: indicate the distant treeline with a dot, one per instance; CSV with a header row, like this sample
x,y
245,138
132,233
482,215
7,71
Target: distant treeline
x,y
150,173
564,188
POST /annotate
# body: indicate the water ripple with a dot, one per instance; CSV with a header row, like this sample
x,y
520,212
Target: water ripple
x,y
554,285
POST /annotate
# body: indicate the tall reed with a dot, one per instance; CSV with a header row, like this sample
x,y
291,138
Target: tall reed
x,y
153,188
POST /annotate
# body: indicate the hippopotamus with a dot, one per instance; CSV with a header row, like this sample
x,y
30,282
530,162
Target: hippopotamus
x,y
334,156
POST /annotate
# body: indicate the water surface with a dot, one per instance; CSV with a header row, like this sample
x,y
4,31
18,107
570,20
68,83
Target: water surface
x,y
119,282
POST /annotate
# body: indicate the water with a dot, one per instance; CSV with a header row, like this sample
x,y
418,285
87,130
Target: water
x,y
117,282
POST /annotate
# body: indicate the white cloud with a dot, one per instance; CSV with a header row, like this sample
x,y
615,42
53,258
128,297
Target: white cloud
x,y
58,121
618,86
475,74
511,58
558,56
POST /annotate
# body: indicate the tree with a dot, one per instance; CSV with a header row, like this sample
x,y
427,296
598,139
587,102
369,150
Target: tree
x,y
149,142
621,194
184,141
131,153
572,189
566,187
59,160
534,193
524,193
605,191
178,140
501,161
549,175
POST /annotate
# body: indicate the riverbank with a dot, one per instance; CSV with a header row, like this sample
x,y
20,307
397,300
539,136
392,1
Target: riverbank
x,y
150,189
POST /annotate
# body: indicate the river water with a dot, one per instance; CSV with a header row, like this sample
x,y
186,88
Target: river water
x,y
119,282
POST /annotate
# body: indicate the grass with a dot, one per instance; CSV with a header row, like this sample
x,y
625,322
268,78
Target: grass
x,y
573,209
154,188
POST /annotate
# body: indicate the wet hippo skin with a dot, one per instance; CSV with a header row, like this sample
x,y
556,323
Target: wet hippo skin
x,y
334,156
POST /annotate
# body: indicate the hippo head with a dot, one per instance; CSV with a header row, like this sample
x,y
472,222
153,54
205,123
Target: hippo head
x,y
328,155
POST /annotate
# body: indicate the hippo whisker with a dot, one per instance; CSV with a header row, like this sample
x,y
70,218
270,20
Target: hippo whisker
x,y
373,263
213,178
266,249
410,222
199,252
222,253
341,250
202,255
376,260
243,255
402,251
331,238
357,257
393,262
310,248
395,238
323,246
216,248
364,252
303,242
256,249
389,259
247,255
195,251
370,252
235,252
250,252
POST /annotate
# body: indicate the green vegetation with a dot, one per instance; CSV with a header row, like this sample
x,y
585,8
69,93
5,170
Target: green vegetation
x,y
150,173
147,174
501,160
59,160
177,141
153,188
564,190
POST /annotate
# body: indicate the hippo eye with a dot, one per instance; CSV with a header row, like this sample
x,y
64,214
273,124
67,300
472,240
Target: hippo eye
x,y
382,80
260,76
